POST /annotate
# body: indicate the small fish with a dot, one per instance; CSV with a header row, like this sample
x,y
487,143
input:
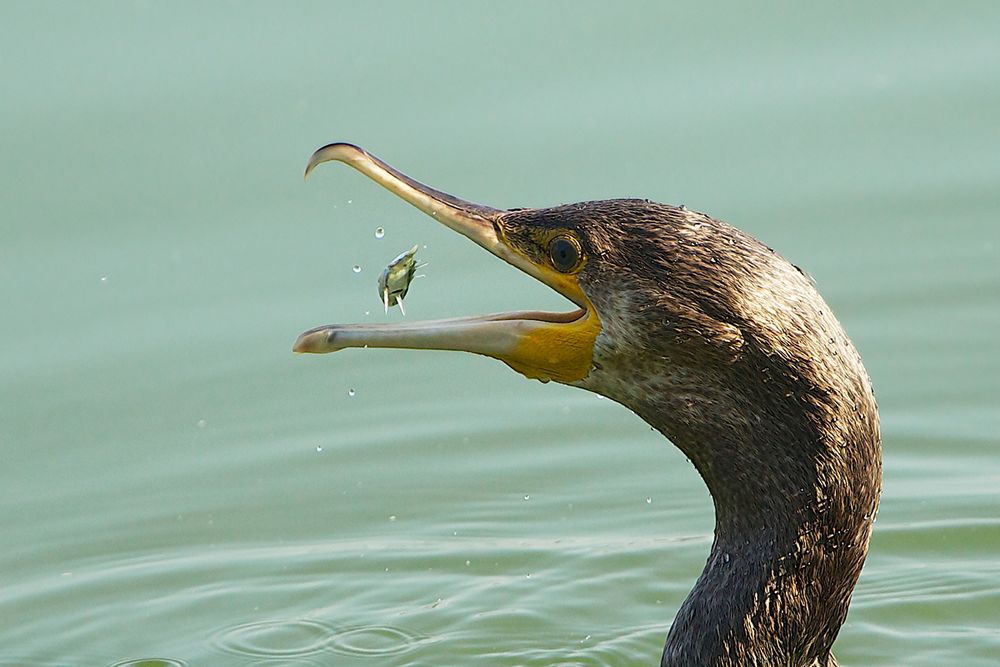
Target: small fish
x,y
395,279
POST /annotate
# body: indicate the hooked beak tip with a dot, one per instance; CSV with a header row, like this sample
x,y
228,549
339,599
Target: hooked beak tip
x,y
309,169
339,151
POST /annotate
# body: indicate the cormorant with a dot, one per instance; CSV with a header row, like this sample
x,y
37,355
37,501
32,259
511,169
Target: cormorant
x,y
726,349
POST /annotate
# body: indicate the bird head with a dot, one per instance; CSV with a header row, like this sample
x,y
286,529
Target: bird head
x,y
605,257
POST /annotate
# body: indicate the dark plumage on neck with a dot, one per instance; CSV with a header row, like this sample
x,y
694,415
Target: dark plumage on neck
x,y
728,350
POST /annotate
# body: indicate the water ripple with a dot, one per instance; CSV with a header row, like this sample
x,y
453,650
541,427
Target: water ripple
x,y
374,640
276,639
297,638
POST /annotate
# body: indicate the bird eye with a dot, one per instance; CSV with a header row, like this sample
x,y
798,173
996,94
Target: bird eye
x,y
564,254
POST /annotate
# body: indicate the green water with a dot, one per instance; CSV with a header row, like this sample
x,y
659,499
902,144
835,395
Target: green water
x,y
177,486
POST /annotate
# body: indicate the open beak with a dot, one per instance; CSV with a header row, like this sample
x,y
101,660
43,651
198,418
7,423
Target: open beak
x,y
540,345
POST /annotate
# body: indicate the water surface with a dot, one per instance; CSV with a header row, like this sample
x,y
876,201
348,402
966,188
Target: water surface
x,y
177,486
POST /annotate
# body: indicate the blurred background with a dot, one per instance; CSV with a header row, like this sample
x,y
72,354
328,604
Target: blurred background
x,y
179,489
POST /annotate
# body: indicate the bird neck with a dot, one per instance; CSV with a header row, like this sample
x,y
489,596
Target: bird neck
x,y
791,536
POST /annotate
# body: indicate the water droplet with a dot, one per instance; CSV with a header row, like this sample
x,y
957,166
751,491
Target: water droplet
x,y
379,232
351,392
725,558
527,497
350,201
319,448
104,279
357,268
468,562
392,517
649,501
368,312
